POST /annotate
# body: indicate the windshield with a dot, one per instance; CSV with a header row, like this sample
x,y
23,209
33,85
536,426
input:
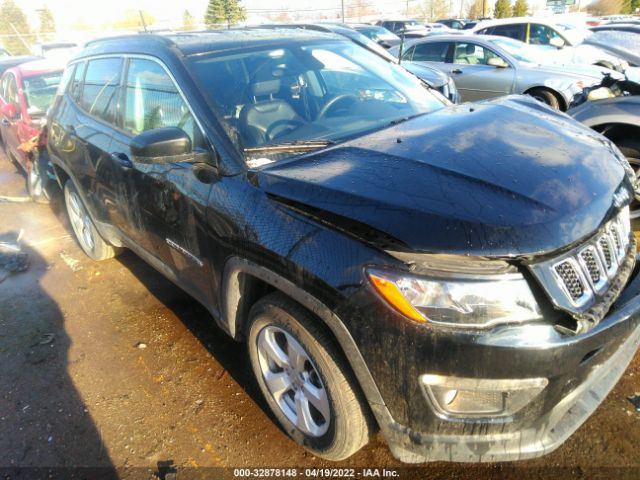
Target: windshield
x,y
377,33
320,92
39,92
519,50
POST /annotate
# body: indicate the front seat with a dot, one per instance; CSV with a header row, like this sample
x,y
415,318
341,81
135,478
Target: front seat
x,y
268,118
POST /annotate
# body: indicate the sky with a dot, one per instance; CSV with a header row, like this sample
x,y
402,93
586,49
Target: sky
x,y
68,12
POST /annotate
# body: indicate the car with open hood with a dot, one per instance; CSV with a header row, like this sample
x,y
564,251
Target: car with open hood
x,y
461,277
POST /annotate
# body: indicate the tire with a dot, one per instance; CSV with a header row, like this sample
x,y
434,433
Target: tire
x,y
38,182
631,150
337,422
545,96
93,245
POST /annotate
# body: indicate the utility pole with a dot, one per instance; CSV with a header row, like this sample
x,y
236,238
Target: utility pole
x,y
485,8
406,12
342,11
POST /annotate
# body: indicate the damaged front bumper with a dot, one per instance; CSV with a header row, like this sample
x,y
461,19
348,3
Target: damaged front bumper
x,y
578,372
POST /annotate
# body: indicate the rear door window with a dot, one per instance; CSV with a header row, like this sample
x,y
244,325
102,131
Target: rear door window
x,y
430,52
514,30
99,95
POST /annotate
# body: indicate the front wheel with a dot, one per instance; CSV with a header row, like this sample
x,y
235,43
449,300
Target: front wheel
x,y
545,96
305,379
87,236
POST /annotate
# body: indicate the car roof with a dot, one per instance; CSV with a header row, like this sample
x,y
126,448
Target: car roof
x,y
17,60
513,20
207,41
36,67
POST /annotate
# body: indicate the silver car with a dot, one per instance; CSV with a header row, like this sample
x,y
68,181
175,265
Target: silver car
x,y
491,66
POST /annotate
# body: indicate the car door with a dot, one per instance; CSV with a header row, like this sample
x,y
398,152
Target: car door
x,y
166,200
10,125
89,126
475,78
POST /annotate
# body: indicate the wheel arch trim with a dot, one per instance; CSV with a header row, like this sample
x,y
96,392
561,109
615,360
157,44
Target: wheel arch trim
x,y
232,323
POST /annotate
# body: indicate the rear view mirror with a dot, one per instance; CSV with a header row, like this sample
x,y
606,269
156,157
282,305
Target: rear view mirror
x,y
9,110
497,62
557,42
161,145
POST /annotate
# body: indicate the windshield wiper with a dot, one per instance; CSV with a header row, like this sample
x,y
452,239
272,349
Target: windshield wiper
x,y
295,146
404,119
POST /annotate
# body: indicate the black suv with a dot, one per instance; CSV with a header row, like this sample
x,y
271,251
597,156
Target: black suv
x,y
461,277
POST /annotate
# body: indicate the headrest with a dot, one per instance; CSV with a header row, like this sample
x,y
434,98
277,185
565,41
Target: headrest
x,y
266,87
471,49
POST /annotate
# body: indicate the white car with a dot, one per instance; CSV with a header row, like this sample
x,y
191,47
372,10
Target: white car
x,y
564,42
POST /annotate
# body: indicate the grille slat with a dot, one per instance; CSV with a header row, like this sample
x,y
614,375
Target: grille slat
x,y
581,278
568,273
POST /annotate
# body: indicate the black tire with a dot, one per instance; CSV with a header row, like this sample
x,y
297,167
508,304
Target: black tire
x,y
545,96
348,427
631,150
85,232
38,181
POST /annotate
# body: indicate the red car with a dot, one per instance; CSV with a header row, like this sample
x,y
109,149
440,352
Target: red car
x,y
26,92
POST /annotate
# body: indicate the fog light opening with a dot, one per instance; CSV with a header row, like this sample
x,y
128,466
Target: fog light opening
x,y
479,398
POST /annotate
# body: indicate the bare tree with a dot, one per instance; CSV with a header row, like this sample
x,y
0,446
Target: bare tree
x,y
475,10
605,7
431,10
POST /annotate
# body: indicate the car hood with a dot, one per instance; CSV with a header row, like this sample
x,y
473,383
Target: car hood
x,y
502,178
432,76
582,72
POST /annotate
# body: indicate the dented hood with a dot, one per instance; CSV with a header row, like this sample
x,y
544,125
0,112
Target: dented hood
x,y
508,177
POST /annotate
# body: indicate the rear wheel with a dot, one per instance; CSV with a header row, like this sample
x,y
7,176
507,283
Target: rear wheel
x,y
631,150
305,379
545,96
87,236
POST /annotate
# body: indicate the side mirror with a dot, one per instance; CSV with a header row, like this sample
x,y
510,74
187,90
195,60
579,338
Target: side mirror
x,y
161,145
497,62
9,110
557,42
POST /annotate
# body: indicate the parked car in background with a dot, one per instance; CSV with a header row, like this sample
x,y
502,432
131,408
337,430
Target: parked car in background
x,y
9,62
489,66
563,43
408,27
455,23
461,277
26,93
60,51
376,33
617,27
617,115
431,76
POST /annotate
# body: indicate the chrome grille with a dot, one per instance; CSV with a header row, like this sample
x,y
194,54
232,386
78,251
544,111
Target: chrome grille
x,y
577,279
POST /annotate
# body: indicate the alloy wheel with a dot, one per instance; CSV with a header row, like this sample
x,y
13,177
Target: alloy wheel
x,y
80,220
293,380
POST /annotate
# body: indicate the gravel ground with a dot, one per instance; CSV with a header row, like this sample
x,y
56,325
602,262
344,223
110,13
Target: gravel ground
x,y
110,365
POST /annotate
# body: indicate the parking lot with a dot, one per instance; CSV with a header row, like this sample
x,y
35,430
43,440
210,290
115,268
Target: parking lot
x,y
110,365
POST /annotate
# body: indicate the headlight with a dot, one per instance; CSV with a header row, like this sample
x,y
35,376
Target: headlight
x,y
474,303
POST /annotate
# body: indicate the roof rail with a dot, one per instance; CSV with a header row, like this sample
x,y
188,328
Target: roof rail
x,y
137,36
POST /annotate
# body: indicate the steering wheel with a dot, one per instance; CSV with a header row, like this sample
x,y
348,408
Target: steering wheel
x,y
334,100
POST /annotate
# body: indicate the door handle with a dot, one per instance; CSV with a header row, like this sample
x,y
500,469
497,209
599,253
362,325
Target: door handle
x,y
456,71
122,159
